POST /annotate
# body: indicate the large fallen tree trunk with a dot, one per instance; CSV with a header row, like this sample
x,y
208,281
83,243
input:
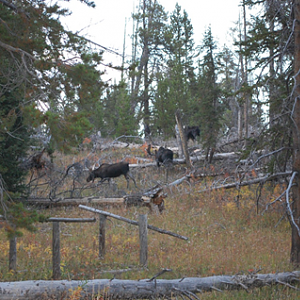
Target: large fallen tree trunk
x,y
217,156
152,199
187,288
74,201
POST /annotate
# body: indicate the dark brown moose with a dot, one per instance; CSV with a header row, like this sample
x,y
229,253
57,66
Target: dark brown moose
x,y
191,132
163,156
108,171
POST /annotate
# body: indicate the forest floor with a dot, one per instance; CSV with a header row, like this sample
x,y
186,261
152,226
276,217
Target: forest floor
x,y
229,231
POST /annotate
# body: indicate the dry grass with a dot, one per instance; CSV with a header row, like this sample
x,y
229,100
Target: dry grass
x,y
223,239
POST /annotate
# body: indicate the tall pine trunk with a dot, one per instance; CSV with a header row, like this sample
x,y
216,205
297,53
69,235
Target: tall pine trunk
x,y
245,76
295,249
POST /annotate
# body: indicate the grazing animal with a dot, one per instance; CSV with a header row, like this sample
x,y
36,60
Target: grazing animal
x,y
108,171
37,162
163,156
191,132
147,130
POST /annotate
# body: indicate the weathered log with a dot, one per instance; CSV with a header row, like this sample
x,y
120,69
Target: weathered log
x,y
249,182
217,156
140,289
71,220
179,181
74,201
153,199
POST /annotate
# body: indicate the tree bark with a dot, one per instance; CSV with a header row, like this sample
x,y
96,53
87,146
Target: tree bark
x,y
245,77
13,254
183,140
187,288
102,222
295,248
56,251
143,236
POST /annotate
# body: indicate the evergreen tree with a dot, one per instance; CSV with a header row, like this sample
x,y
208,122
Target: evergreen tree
x,y
175,82
270,47
118,118
275,44
40,85
208,108
151,20
228,73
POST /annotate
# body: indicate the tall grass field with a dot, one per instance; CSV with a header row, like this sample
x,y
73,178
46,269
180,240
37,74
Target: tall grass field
x,y
225,236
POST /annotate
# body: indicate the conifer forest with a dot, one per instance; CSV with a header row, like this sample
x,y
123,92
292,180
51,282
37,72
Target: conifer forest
x,y
206,141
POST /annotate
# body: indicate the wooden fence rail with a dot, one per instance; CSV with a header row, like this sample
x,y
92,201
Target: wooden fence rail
x,y
132,222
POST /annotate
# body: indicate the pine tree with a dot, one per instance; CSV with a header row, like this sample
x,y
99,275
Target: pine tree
x,y
117,115
151,20
208,108
174,84
275,44
39,87
228,73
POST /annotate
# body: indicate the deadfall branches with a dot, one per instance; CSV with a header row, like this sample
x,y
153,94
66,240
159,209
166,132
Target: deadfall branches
x,y
187,288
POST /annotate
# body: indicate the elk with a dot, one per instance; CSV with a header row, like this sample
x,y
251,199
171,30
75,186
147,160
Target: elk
x,y
108,171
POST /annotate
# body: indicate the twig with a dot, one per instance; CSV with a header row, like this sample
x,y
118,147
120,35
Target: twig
x,y
216,289
289,285
288,202
277,199
160,273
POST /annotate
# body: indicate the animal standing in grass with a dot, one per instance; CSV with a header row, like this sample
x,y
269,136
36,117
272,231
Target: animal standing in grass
x,y
191,132
163,156
108,171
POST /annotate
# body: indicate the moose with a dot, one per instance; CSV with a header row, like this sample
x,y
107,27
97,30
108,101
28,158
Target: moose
x,y
191,132
163,156
108,171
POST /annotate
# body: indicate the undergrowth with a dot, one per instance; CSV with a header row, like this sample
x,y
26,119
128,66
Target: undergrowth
x,y
226,236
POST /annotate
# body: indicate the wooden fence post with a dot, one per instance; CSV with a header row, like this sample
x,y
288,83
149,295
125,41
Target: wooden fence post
x,y
56,241
56,251
102,221
143,235
13,254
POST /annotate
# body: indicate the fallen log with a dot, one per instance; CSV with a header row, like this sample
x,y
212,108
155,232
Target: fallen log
x,y
151,201
186,288
249,182
74,201
154,199
71,220
217,156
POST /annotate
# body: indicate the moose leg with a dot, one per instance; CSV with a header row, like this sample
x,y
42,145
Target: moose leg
x,y
127,179
130,176
104,179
